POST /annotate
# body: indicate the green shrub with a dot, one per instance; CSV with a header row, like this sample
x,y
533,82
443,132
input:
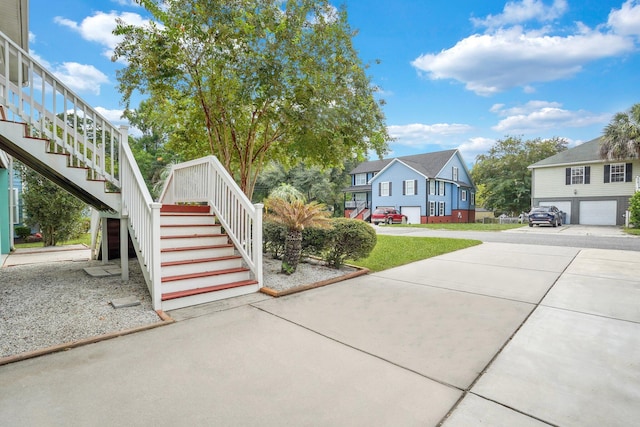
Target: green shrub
x,y
349,239
273,238
23,232
634,209
314,241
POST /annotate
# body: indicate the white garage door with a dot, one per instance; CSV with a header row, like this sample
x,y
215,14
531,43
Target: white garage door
x,y
598,213
412,213
563,206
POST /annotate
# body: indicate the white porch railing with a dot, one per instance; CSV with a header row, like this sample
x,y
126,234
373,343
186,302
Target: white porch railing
x,y
206,180
360,206
36,97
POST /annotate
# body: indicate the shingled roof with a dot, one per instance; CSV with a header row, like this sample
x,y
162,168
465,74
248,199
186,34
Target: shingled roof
x,y
588,152
428,164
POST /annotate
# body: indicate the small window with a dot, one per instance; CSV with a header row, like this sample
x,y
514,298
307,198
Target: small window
x,y
432,186
410,187
463,195
441,186
617,172
361,179
385,189
454,174
360,197
473,198
441,208
577,175
432,208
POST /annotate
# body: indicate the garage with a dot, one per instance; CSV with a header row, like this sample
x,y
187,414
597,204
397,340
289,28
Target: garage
x,y
601,212
412,213
564,207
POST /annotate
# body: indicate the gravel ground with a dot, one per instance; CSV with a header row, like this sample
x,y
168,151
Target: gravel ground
x,y
43,305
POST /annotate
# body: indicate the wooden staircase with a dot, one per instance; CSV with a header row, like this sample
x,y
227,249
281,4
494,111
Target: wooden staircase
x,y
198,263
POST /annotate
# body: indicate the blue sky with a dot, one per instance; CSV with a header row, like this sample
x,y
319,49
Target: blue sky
x,y
454,74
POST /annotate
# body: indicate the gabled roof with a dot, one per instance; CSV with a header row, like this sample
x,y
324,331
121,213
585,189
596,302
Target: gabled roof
x,y
588,152
427,164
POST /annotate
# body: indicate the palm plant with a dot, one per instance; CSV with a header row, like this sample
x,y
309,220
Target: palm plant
x,y
621,137
295,214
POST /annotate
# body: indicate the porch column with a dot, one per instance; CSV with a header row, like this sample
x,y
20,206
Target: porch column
x,y
105,240
124,247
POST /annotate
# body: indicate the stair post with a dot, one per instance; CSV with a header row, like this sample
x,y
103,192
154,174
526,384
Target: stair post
x,y
124,246
257,244
156,279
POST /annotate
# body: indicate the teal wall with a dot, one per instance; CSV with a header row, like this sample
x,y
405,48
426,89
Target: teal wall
x,y
5,225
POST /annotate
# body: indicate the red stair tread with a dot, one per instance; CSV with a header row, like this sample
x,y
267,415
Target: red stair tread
x,y
194,261
198,291
185,208
204,274
190,225
194,248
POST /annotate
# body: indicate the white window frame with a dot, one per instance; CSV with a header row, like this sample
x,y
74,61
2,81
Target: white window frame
x,y
463,195
441,210
473,198
620,172
577,175
384,189
441,186
432,208
454,174
409,187
14,206
360,197
432,186
360,179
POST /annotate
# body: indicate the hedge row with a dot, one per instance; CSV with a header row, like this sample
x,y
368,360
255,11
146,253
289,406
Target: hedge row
x,y
346,239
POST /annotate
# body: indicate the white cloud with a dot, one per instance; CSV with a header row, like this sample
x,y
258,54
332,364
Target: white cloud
x,y
537,116
626,20
474,147
99,27
523,11
418,135
129,3
493,63
508,55
80,77
113,116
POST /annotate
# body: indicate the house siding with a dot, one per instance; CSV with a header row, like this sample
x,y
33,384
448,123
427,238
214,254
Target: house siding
x,y
396,174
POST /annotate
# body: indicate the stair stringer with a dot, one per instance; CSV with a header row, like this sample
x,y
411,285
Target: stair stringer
x,y
31,151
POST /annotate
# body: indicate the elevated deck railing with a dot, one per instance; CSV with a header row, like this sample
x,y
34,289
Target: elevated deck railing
x,y
206,180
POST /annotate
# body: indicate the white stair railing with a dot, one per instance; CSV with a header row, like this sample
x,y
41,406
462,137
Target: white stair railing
x,y
36,97
360,206
206,180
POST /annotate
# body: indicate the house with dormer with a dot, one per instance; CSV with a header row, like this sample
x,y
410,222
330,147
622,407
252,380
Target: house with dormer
x,y
427,188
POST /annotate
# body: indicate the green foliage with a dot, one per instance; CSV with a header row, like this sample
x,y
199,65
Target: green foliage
x,y
315,241
634,209
502,174
57,213
621,137
349,239
23,232
252,82
274,236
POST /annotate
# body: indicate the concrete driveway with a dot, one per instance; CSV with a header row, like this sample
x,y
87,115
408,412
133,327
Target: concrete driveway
x,y
497,334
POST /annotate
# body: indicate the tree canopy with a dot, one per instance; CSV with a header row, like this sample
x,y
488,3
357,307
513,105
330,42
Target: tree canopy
x,y
252,81
621,137
502,174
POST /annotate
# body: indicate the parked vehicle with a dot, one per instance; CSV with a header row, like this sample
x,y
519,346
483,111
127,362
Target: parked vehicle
x,y
550,215
388,216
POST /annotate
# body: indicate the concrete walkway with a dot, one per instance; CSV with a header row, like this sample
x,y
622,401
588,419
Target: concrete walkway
x,y
497,335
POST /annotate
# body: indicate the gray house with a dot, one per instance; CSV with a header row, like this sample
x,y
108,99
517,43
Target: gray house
x,y
588,189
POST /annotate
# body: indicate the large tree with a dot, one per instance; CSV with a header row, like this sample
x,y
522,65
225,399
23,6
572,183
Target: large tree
x,y
57,213
621,137
503,175
253,80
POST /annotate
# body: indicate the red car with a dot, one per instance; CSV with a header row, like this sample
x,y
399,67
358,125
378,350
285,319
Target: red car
x,y
388,216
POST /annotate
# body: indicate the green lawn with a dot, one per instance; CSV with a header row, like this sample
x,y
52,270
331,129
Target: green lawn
x,y
393,251
472,226
85,239
634,231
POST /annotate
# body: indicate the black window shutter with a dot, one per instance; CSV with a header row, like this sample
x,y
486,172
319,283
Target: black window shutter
x,y
607,173
628,171
587,174
415,186
379,189
567,175
389,188
404,188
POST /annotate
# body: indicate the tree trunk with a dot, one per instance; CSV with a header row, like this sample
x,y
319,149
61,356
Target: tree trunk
x,y
292,251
